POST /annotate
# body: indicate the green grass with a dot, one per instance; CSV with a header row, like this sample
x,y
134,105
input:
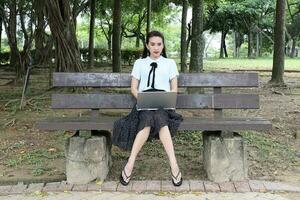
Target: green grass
x,y
269,151
244,63
36,158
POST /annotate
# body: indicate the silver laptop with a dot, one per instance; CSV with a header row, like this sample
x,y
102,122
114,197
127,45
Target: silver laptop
x,y
156,100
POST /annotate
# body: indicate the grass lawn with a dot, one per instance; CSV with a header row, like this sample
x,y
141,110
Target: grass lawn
x,y
229,64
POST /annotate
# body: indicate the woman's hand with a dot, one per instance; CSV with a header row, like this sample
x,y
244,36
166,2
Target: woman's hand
x,y
174,84
134,87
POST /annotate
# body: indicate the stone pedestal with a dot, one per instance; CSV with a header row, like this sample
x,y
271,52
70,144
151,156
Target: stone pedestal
x,y
225,159
87,159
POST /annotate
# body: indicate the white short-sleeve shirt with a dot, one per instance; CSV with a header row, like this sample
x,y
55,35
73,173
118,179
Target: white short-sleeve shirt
x,y
166,70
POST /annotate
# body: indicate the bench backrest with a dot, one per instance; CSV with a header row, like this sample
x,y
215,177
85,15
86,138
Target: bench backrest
x,y
216,100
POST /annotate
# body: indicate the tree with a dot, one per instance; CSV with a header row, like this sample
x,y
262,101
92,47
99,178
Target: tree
x,y
63,31
9,14
279,44
183,44
77,7
149,2
91,33
197,43
0,31
293,26
26,12
116,44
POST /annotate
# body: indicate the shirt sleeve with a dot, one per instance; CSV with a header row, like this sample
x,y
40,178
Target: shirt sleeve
x,y
173,70
136,72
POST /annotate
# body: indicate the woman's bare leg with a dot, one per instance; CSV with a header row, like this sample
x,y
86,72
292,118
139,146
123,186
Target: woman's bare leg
x,y
138,143
166,139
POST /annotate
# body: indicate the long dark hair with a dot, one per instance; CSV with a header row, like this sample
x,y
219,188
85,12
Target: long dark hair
x,y
150,35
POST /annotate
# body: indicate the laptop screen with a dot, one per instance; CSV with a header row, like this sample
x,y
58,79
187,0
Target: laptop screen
x,y
156,100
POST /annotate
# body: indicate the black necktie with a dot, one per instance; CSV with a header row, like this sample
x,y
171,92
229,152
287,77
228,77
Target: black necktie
x,y
153,67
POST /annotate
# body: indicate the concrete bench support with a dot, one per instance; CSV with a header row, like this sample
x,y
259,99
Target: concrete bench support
x,y
87,158
225,159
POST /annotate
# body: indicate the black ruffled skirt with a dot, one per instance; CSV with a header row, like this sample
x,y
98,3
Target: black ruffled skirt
x,y
126,128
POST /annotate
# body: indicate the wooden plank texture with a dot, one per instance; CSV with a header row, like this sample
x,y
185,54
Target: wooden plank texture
x,y
217,79
107,101
106,123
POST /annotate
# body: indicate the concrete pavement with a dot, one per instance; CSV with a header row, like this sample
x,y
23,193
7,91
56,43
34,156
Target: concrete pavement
x,y
153,196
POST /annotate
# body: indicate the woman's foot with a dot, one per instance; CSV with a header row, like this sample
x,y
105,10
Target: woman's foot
x,y
176,177
125,175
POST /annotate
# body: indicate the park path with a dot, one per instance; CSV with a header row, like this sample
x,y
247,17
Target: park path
x,y
153,196
152,190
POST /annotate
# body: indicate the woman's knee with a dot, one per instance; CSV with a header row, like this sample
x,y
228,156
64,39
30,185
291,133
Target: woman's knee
x,y
145,130
164,130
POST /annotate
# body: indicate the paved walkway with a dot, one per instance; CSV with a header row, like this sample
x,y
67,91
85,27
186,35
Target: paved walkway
x,y
190,189
157,196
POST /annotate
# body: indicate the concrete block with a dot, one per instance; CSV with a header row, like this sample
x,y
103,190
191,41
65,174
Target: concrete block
x,y
153,186
167,186
80,187
225,159
51,187
34,187
122,188
257,186
139,186
185,187
227,187
242,186
110,186
211,186
87,159
18,189
197,186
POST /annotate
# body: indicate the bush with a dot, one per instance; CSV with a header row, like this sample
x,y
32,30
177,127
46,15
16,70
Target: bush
x,y
102,54
4,57
130,55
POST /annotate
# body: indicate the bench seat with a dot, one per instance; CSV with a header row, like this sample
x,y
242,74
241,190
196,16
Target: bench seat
x,y
106,123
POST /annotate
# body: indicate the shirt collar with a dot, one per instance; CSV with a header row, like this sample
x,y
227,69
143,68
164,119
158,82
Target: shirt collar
x,y
151,60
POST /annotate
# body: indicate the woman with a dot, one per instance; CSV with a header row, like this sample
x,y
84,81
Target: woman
x,y
154,72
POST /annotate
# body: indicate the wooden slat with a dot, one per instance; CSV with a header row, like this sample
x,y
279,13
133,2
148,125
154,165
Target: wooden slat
x,y
93,101
185,79
106,123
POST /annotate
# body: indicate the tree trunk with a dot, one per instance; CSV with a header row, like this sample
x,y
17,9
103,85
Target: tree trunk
x,y
25,54
116,37
91,35
257,44
279,43
224,46
149,16
11,32
40,39
0,32
183,45
63,31
197,43
293,51
221,47
234,34
250,44
138,32
260,44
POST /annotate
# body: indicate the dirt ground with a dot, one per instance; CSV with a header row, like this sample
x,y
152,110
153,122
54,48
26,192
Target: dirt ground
x,y
28,154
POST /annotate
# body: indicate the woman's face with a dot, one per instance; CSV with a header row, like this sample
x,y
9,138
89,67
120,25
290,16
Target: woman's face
x,y
155,46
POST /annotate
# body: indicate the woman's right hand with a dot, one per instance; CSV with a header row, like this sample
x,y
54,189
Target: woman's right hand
x,y
134,87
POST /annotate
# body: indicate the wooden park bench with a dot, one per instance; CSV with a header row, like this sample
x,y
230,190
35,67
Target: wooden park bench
x,y
224,149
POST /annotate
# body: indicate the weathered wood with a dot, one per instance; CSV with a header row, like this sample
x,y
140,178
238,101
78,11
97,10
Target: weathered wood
x,y
218,113
184,80
106,123
217,101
